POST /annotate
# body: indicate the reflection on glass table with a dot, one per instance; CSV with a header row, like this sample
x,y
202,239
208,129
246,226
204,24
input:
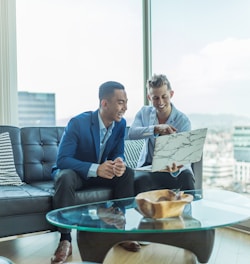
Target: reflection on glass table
x,y
118,220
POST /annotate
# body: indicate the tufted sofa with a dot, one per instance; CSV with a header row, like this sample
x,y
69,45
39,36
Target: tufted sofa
x,y
23,208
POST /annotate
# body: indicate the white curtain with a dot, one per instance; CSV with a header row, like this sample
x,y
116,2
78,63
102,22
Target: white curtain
x,y
8,64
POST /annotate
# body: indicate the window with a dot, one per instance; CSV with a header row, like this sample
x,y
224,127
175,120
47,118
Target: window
x,y
69,47
204,49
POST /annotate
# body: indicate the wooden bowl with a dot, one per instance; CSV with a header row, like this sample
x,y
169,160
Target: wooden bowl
x,y
162,203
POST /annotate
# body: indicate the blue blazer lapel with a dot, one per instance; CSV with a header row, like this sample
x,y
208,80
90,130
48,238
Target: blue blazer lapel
x,y
95,130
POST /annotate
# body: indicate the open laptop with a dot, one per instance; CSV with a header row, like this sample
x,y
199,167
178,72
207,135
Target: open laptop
x,y
179,148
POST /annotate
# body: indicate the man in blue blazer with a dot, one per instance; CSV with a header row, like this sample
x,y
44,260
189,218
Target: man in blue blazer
x,y
91,153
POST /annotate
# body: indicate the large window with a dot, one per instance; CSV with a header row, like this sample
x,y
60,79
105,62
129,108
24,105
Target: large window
x,y
69,47
204,49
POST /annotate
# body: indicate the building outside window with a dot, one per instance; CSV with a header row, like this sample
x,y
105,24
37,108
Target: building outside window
x,y
36,109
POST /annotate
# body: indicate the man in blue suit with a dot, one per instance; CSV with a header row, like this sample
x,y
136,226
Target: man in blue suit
x,y
91,153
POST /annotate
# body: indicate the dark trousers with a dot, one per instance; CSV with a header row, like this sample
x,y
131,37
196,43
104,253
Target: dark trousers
x,y
147,181
67,182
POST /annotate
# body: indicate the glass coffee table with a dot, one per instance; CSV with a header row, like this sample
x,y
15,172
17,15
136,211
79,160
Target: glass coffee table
x,y
102,225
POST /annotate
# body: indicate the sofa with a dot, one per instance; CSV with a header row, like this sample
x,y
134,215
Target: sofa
x,y
23,207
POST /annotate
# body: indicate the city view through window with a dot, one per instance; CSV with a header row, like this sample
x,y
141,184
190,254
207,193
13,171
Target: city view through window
x,y
202,46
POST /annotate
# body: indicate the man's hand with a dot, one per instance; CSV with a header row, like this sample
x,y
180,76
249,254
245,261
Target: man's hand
x,y
172,168
109,169
164,129
119,167
106,169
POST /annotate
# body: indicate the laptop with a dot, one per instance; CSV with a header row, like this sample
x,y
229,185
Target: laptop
x,y
179,148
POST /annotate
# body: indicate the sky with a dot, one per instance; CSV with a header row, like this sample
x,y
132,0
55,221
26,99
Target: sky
x,y
206,54
70,47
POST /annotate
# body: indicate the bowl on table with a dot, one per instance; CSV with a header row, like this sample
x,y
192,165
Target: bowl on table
x,y
162,203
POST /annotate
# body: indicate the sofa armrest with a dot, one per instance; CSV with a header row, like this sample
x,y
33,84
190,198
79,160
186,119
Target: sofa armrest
x,y
198,173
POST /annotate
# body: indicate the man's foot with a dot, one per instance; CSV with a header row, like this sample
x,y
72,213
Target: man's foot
x,y
144,243
133,246
63,251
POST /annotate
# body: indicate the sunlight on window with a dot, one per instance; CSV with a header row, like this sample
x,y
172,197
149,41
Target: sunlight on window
x,y
204,49
70,47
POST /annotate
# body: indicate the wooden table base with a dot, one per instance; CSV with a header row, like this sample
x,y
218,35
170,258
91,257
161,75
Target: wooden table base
x,y
94,246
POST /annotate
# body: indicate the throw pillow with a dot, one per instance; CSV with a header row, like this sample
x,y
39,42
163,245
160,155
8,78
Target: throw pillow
x,y
132,151
8,174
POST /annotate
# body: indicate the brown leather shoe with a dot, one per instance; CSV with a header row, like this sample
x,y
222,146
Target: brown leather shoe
x,y
63,251
133,246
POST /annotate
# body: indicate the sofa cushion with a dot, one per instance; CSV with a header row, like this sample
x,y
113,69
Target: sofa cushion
x,y
8,174
47,186
24,199
88,195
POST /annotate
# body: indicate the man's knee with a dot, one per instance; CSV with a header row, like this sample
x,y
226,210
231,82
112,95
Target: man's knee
x,y
187,180
128,175
186,174
142,182
130,172
65,176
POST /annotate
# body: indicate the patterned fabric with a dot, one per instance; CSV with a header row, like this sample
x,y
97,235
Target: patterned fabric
x,y
8,174
132,152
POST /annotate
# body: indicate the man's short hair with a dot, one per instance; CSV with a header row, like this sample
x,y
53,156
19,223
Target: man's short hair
x,y
106,90
157,81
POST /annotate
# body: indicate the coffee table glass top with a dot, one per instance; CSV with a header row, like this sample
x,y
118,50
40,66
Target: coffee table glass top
x,y
209,209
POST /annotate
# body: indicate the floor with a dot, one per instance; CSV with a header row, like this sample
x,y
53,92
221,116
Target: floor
x,y
231,247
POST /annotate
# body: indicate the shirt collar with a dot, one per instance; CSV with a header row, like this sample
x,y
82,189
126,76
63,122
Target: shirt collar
x,y
101,124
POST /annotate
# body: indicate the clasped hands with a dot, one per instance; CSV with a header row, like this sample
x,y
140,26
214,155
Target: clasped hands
x,y
109,169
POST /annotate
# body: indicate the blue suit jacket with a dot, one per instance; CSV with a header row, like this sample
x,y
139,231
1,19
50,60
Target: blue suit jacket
x,y
80,143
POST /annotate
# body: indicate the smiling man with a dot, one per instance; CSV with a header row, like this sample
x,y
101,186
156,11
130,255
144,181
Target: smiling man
x,y
91,153
161,118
